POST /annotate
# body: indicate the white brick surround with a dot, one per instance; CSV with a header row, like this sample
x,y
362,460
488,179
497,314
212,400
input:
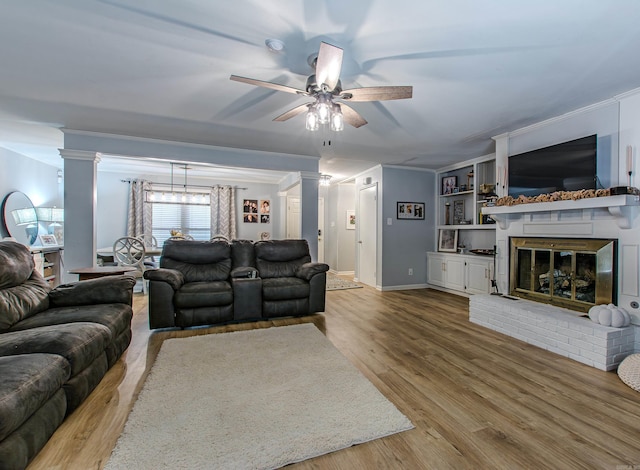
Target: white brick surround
x,y
564,332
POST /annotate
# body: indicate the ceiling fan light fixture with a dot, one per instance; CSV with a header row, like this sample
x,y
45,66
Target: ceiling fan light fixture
x,y
323,105
312,119
337,120
274,45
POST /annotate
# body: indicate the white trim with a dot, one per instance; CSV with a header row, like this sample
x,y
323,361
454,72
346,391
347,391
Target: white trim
x,y
404,287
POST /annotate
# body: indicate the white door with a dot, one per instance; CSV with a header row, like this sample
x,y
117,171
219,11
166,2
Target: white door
x,y
294,225
321,230
366,229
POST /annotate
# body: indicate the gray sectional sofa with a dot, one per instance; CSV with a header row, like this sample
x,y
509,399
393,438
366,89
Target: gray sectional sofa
x,y
55,347
206,283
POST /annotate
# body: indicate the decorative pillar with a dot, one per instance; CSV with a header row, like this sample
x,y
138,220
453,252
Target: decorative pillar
x,y
80,207
309,210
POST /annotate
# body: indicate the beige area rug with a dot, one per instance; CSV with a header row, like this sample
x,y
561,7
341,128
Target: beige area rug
x,y
252,399
337,283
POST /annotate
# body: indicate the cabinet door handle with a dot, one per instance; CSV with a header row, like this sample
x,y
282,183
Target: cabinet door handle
x,y
486,273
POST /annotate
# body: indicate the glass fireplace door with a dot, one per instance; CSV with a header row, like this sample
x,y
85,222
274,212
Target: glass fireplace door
x,y
567,273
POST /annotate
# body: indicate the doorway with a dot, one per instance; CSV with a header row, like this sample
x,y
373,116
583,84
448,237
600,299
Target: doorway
x,y
294,228
366,226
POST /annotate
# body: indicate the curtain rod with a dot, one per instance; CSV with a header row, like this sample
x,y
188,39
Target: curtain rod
x,y
180,185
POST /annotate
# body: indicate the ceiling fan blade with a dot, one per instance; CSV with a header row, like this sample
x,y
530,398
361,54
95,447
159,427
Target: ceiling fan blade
x,y
328,65
351,116
377,93
273,86
293,112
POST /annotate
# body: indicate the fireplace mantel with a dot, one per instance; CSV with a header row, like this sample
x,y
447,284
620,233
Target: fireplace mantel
x,y
624,209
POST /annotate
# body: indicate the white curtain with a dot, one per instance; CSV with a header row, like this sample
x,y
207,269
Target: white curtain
x,y
223,213
139,218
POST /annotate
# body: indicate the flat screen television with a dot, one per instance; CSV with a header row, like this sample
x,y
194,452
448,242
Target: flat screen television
x,y
569,166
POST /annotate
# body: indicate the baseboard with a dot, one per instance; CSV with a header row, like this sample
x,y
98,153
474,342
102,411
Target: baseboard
x,y
405,287
450,291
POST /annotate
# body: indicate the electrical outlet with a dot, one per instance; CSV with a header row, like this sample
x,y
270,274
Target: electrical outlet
x,y
410,271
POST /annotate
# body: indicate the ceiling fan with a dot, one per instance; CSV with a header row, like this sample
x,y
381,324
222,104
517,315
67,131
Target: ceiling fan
x,y
325,87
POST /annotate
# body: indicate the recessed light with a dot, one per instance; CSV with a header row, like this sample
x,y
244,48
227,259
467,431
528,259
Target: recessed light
x,y
274,45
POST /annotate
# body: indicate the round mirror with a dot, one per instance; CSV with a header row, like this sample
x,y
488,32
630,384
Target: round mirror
x,y
19,218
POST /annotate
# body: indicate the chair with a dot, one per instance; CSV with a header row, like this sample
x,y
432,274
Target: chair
x,y
218,237
130,251
152,242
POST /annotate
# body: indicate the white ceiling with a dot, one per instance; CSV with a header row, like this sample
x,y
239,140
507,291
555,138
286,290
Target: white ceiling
x,y
160,69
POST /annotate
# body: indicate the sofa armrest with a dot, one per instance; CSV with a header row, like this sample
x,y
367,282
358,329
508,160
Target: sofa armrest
x,y
308,270
244,272
173,277
104,290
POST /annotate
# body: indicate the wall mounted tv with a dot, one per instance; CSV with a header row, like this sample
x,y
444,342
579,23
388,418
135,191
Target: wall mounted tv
x,y
568,166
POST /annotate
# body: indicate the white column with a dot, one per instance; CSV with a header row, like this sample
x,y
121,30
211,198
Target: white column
x,y
80,206
309,210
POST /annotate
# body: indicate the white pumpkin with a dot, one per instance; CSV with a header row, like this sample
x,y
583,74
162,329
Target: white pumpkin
x,y
609,315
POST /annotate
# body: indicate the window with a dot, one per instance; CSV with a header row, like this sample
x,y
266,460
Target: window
x,y
190,219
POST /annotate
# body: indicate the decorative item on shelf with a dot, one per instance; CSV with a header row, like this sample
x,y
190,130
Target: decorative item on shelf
x,y
463,188
447,213
482,252
458,212
448,184
48,240
470,176
617,190
447,240
486,189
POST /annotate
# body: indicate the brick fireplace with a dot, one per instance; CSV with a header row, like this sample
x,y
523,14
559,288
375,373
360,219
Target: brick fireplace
x,y
545,303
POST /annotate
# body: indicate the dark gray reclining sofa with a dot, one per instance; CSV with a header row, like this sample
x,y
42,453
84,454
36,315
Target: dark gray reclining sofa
x,y
206,283
55,347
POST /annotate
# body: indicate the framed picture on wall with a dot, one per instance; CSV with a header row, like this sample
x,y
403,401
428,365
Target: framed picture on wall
x,y
351,220
410,210
250,206
448,240
250,218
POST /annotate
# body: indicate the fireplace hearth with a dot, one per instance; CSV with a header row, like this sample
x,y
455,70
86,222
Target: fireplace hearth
x,y
570,273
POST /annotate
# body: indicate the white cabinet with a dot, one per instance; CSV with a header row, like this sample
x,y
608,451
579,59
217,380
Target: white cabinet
x,y
49,262
470,274
478,275
436,269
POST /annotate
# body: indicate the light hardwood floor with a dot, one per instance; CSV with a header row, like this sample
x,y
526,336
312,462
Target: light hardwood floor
x,y
478,399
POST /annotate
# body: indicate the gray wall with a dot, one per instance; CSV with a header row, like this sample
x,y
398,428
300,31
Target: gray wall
x,y
113,205
405,242
37,180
